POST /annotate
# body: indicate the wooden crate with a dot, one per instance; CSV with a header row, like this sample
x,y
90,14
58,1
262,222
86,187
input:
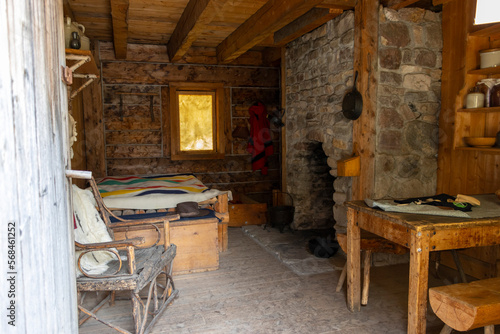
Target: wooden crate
x,y
196,241
248,212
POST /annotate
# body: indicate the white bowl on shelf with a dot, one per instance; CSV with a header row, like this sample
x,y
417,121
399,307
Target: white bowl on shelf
x,y
480,141
489,58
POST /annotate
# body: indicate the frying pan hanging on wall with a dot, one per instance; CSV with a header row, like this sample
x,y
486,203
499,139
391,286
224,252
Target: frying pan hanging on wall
x,y
352,105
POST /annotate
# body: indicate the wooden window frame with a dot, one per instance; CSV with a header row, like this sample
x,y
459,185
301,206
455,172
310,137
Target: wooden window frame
x,y
218,121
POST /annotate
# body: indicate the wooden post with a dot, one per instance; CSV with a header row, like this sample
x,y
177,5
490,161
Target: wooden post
x,y
131,259
94,126
166,233
419,272
136,311
353,261
366,23
222,203
341,278
366,276
283,129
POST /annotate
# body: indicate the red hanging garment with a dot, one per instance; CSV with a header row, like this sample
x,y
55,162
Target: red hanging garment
x,y
260,144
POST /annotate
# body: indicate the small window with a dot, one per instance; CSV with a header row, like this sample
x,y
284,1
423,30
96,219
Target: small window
x,y
196,122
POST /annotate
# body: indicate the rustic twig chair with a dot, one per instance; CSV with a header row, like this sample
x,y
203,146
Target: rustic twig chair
x,y
143,267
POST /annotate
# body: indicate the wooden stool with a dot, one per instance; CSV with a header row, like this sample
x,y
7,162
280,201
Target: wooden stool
x,y
369,243
466,306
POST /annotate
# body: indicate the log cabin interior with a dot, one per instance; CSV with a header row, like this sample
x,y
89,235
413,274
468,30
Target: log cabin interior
x,y
118,87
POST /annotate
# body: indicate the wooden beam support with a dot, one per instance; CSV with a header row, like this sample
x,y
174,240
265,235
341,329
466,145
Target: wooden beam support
x,y
196,16
119,13
366,18
283,92
337,4
440,2
304,24
271,17
403,4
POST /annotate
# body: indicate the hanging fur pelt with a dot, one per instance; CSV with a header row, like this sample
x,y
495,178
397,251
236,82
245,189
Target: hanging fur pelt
x,y
89,229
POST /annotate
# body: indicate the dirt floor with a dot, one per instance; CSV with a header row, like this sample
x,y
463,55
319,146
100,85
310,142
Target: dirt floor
x,y
253,291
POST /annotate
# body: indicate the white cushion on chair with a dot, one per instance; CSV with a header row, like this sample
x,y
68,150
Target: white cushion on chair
x,y
90,228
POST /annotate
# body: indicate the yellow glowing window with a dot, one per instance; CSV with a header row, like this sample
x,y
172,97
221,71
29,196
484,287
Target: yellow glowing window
x,y
196,120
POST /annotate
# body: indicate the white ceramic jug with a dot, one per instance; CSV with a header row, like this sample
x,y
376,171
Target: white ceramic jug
x,y
70,27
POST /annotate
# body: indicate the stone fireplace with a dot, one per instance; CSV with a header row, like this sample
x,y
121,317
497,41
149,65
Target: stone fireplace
x,y
319,71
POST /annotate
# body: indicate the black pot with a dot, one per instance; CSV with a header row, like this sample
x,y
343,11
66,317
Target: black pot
x,y
352,105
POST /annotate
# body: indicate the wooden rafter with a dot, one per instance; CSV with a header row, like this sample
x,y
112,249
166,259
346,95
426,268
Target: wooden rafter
x,y
196,16
304,24
271,17
119,13
337,4
403,4
440,2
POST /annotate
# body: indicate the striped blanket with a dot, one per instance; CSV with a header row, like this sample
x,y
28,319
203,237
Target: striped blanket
x,y
153,192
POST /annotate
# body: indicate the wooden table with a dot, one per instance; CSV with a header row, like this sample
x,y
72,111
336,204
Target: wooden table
x,y
422,234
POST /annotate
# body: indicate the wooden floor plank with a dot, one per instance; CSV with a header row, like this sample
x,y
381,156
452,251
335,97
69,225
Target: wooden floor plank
x,y
253,292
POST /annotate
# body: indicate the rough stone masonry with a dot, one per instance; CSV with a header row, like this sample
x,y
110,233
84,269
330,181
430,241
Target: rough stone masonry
x,y
319,71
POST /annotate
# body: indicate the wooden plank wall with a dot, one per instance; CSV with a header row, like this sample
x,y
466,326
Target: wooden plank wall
x,y
34,155
460,171
79,160
139,144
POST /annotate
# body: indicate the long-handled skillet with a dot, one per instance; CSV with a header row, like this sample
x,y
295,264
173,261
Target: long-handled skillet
x,y
352,105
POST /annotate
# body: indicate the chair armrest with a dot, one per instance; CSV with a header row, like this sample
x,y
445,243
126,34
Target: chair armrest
x,y
111,244
138,222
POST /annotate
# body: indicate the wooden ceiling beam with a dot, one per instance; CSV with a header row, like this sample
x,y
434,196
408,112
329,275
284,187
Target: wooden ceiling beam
x,y
119,14
403,4
271,17
337,4
196,16
304,24
440,2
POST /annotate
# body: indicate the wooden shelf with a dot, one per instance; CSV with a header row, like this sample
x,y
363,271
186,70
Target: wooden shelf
x,y
492,150
480,110
88,67
83,66
487,31
485,71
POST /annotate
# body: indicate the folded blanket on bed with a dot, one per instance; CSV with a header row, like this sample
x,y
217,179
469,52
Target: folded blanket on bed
x,y
153,192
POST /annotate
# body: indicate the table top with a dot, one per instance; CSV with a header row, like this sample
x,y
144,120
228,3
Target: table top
x,y
421,222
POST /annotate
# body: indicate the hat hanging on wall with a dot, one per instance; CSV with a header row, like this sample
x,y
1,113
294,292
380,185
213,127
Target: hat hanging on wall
x,y
276,118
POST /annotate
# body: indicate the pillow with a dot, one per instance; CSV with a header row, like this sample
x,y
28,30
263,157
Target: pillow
x,y
90,228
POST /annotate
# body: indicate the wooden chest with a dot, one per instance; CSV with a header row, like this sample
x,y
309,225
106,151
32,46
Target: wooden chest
x,y
196,241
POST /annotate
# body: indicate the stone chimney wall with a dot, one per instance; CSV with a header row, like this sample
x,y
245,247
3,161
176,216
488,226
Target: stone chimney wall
x,y
408,103
319,70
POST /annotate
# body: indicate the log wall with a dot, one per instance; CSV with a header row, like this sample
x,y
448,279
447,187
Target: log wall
x,y
137,141
38,284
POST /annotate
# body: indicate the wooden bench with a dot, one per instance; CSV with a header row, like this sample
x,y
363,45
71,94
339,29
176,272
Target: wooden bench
x,y
467,306
369,243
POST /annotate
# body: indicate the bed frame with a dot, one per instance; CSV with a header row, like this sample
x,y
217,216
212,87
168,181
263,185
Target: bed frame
x,y
219,204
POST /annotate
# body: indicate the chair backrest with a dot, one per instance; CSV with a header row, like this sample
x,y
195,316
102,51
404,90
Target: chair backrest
x,y
101,207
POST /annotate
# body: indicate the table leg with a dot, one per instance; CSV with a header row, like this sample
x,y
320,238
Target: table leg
x,y
353,262
419,275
